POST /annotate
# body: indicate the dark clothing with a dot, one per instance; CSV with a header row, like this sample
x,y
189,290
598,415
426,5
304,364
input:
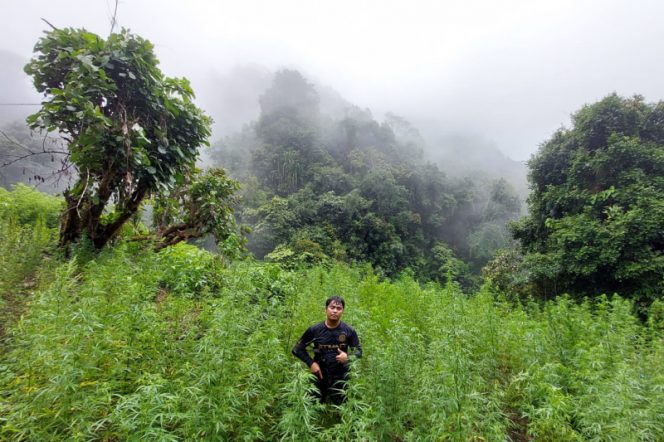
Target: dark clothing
x,y
326,344
331,389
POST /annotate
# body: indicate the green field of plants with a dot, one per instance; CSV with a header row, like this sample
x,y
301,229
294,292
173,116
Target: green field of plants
x,y
136,345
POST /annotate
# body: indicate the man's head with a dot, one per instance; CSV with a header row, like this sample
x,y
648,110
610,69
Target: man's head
x,y
334,308
336,298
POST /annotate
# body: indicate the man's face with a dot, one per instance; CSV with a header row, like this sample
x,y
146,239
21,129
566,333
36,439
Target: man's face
x,y
334,310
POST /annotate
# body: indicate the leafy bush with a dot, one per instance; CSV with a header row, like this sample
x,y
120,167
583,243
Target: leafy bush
x,y
27,205
303,253
188,270
27,221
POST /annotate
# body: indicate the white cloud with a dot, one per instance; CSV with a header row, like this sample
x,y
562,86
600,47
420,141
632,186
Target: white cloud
x,y
511,71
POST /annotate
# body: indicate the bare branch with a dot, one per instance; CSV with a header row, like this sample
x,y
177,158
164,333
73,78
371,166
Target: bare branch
x,y
14,142
114,19
48,23
22,157
18,144
63,171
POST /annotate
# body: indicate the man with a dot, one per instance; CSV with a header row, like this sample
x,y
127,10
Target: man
x,y
331,340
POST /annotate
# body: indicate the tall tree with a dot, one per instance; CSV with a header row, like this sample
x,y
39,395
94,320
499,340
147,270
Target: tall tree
x,y
130,130
596,211
288,130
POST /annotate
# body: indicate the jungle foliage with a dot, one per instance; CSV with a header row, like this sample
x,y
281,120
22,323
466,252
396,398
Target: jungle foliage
x,y
596,212
176,345
28,225
320,185
202,205
130,131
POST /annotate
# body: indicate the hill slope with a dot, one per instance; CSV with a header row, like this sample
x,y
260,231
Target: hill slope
x,y
135,345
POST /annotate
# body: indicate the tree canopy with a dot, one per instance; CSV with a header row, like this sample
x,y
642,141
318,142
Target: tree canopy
x,y
202,205
596,211
343,185
130,130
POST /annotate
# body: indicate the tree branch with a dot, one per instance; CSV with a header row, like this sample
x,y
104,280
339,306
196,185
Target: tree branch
x,y
109,230
48,23
114,19
172,229
174,239
22,157
14,142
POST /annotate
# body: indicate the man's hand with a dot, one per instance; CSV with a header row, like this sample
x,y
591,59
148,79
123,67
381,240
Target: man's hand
x,y
342,357
315,369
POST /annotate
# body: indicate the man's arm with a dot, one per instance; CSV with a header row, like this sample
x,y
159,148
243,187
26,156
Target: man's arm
x,y
300,348
354,342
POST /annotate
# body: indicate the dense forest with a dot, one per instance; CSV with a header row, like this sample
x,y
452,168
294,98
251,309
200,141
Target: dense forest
x,y
342,185
156,296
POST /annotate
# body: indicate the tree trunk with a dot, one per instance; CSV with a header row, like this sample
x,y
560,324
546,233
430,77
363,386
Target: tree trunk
x,y
105,232
82,217
70,223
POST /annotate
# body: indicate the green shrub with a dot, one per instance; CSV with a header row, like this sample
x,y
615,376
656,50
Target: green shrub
x,y
27,229
28,205
188,270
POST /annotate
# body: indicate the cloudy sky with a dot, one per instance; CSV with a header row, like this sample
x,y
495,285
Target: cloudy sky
x,y
507,71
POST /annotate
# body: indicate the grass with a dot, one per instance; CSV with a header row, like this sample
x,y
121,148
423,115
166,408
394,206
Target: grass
x,y
134,345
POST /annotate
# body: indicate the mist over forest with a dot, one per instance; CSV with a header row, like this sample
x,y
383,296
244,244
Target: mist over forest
x,y
15,88
468,171
412,156
235,100
185,189
231,98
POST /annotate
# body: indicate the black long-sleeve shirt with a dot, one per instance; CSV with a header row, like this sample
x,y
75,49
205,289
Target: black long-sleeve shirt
x,y
326,343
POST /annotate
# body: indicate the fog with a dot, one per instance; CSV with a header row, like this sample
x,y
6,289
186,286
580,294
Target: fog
x,y
503,75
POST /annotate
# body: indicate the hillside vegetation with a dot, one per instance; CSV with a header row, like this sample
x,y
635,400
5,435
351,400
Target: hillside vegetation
x,y
475,327
323,178
179,345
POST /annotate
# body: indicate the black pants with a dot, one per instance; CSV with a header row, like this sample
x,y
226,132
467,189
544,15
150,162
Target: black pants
x,y
331,387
